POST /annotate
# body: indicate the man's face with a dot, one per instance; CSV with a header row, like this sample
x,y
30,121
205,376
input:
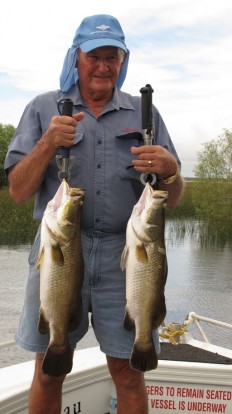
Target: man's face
x,y
98,70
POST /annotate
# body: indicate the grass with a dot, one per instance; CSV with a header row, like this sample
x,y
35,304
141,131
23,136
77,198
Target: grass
x,y
185,208
16,221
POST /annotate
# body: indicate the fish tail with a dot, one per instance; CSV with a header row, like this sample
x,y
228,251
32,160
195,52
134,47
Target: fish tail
x,y
57,361
143,358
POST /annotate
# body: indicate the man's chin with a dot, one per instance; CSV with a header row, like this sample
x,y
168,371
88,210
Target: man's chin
x,y
103,82
103,88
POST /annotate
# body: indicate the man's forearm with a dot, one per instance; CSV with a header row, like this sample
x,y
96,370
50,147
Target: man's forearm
x,y
27,175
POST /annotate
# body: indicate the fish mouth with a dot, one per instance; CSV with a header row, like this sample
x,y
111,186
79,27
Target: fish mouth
x,y
147,211
65,191
154,198
72,191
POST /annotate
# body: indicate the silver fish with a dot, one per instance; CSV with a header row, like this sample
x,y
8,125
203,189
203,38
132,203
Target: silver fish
x,y
61,276
144,258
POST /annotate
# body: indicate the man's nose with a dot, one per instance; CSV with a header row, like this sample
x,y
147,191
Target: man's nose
x,y
103,64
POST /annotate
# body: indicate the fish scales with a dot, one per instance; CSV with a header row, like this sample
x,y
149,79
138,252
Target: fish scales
x,y
61,276
144,258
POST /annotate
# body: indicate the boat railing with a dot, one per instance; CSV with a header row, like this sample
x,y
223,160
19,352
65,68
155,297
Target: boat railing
x,y
193,318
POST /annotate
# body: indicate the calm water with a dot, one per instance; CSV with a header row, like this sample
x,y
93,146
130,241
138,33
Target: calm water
x,y
199,280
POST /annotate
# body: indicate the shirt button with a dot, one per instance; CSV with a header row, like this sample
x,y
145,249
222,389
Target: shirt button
x,y
99,166
98,192
99,141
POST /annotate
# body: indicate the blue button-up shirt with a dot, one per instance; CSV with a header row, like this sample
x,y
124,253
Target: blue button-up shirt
x,y
102,155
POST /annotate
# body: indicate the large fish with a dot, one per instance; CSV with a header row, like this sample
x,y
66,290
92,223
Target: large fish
x,y
144,258
61,276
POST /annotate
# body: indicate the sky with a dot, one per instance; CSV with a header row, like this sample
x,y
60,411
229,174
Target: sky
x,y
181,47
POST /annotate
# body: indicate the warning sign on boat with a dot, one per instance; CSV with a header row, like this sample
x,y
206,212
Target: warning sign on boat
x,y
170,398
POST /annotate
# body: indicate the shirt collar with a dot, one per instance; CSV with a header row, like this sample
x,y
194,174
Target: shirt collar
x,y
119,99
74,94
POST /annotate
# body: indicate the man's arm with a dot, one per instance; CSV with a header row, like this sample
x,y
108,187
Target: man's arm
x,y
26,176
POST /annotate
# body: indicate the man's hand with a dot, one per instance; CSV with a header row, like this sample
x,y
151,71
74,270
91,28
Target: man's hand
x,y
62,129
154,159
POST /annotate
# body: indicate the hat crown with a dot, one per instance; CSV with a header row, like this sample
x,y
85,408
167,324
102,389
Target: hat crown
x,y
100,26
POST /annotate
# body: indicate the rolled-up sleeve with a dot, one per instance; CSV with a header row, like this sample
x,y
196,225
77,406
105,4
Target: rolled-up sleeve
x,y
26,135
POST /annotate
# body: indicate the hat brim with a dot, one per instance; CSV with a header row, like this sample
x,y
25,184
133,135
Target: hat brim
x,y
95,43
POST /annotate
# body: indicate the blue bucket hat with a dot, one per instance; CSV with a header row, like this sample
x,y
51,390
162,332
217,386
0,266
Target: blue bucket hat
x,y
94,31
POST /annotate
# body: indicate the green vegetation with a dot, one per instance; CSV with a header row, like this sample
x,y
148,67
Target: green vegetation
x,y
215,160
6,133
212,197
16,221
205,212
208,198
185,208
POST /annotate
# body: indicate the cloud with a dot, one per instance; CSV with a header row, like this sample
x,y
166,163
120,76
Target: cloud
x,y
182,48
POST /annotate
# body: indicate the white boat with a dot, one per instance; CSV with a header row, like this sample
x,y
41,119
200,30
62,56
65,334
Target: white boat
x,y
192,377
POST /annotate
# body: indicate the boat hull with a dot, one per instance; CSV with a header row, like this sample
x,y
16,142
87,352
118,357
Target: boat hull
x,y
174,387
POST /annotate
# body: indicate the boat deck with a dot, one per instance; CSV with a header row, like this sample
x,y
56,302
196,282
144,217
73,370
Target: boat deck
x,y
189,353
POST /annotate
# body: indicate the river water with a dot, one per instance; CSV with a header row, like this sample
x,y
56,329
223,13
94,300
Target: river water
x,y
199,280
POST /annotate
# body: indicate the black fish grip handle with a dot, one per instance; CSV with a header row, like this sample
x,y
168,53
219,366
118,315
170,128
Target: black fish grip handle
x,y
147,126
64,152
67,110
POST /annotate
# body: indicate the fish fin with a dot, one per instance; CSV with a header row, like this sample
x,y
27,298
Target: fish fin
x,y
143,358
40,258
124,257
43,325
128,323
57,361
57,254
141,254
75,317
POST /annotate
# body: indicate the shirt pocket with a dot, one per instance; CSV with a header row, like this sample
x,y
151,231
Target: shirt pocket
x,y
124,142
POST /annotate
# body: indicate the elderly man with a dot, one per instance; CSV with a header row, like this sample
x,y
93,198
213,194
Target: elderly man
x,y
104,136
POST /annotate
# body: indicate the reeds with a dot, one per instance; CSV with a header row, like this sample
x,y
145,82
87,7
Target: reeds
x,y
16,221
